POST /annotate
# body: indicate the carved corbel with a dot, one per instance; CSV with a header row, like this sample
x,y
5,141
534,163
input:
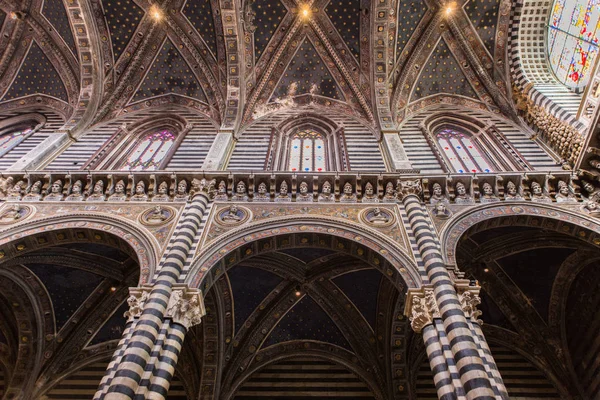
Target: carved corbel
x,y
421,308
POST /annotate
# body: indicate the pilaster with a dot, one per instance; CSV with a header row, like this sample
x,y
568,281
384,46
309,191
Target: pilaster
x,y
216,159
395,149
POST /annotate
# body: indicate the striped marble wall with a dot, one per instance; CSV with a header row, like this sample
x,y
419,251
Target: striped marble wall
x,y
53,122
523,380
304,378
251,149
84,383
422,158
189,155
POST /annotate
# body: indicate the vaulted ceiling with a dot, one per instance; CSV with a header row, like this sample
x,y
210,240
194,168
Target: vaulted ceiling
x,y
236,61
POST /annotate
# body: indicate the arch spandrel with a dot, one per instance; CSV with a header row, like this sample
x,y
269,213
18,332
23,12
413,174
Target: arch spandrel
x,y
560,219
141,241
391,258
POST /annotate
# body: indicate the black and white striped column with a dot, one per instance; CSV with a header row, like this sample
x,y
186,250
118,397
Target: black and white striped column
x,y
124,381
469,364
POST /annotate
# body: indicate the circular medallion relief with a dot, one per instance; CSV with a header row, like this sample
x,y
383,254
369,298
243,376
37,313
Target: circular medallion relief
x,y
377,217
157,215
15,213
232,215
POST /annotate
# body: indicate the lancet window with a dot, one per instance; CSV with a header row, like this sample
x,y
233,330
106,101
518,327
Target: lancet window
x,y
307,152
149,153
461,152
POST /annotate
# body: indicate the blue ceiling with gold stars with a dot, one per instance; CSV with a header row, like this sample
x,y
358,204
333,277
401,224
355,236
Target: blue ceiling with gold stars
x,y
442,74
122,17
200,14
307,321
55,12
308,70
410,13
114,326
362,288
249,287
269,14
345,15
170,73
484,16
68,288
37,75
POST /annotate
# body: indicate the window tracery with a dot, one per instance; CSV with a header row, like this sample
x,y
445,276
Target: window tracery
x,y
10,140
307,152
149,153
573,40
461,152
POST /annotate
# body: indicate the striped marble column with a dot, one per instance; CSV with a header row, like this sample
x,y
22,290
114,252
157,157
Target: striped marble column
x,y
470,366
125,379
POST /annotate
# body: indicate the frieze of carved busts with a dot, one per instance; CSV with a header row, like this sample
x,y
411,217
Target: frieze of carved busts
x,y
97,192
6,185
140,192
205,186
263,193
181,194
283,195
119,193
55,193
16,191
421,308
370,196
487,194
326,194
390,193
14,214
437,194
538,195
564,194
304,195
221,192
348,196
441,210
241,193
163,192
462,197
34,193
593,194
76,192
511,193
186,306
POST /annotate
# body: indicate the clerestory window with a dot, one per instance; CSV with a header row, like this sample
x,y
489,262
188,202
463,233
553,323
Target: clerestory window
x,y
573,36
150,152
461,152
307,152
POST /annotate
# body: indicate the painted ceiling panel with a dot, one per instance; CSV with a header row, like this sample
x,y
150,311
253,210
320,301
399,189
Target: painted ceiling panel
x,y
249,286
122,17
534,272
308,71
56,13
307,321
114,327
68,288
484,16
269,15
442,74
170,73
345,15
410,13
200,14
362,288
37,75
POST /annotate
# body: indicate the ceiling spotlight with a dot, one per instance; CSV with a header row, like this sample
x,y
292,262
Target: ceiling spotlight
x,y
156,13
298,293
113,289
450,9
16,15
305,12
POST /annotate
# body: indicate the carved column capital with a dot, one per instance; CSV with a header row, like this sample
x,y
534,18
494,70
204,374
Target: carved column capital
x,y
204,185
409,187
468,295
186,306
421,308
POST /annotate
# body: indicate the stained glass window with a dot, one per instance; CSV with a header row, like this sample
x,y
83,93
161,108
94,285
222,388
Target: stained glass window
x,y
150,152
462,152
10,140
573,34
307,152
